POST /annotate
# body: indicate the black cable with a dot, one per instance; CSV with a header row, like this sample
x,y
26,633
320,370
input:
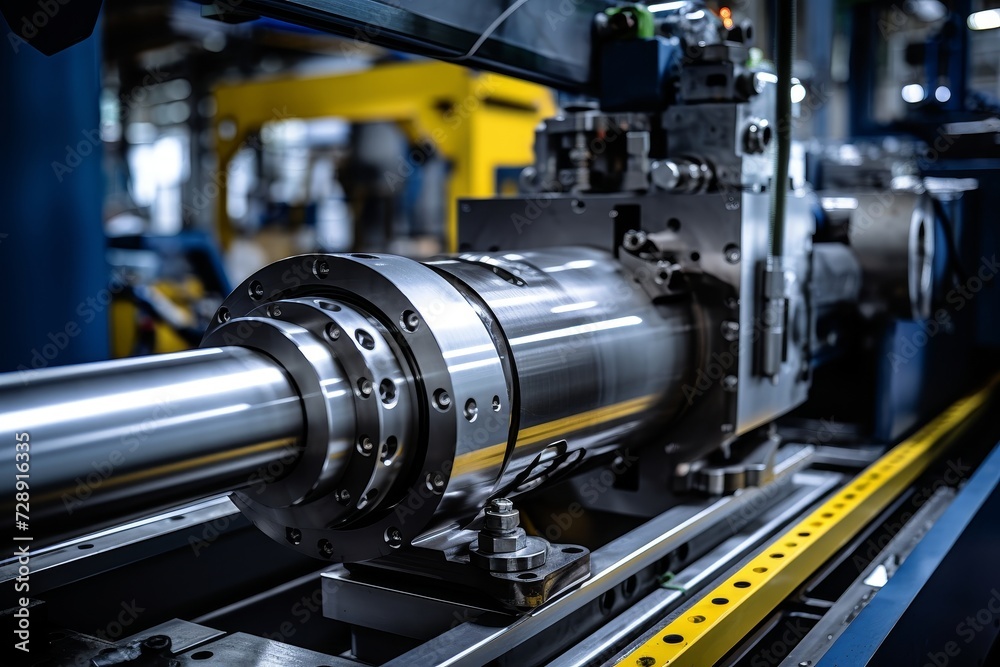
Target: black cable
x,y
784,50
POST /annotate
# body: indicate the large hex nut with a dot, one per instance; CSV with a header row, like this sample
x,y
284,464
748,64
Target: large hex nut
x,y
500,544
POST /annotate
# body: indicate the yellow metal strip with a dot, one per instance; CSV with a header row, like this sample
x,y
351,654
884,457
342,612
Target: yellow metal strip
x,y
493,455
722,618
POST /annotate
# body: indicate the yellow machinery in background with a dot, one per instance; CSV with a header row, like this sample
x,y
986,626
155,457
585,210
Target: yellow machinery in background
x,y
478,121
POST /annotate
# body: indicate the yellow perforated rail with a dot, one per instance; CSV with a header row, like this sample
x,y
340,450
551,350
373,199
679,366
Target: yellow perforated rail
x,y
722,618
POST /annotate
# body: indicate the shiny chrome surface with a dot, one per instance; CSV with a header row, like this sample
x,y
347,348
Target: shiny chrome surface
x,y
411,325
591,355
385,397
121,438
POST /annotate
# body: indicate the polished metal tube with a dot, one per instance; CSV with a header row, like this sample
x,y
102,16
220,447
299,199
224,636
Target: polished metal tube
x,y
116,439
593,357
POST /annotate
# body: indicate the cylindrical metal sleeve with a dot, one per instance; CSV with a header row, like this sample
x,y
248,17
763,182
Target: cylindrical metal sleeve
x,y
592,355
892,235
115,439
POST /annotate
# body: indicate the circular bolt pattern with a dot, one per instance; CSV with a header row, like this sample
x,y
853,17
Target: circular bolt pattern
x,y
365,445
293,535
732,253
223,315
321,269
256,290
496,404
332,331
389,450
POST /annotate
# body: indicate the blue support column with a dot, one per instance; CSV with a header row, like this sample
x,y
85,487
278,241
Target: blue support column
x,y
52,246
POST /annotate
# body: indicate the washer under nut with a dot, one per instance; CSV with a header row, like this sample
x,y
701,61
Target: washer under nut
x,y
530,556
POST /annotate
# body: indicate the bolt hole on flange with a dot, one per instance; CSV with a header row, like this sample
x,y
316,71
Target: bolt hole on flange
x,y
471,410
409,320
387,392
321,268
393,537
364,339
442,400
325,548
389,450
364,387
435,482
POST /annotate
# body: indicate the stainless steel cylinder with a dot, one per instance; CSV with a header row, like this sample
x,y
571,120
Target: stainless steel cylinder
x,y
108,440
592,357
352,402
473,376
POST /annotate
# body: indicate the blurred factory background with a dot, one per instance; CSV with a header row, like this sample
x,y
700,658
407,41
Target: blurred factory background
x,y
166,157
188,153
